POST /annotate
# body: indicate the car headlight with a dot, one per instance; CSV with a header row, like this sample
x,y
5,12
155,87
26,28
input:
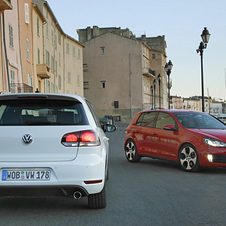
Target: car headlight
x,y
214,143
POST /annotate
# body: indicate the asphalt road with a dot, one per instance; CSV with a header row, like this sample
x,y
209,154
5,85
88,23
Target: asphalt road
x,y
151,192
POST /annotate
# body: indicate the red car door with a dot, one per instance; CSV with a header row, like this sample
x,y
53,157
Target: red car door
x,y
166,142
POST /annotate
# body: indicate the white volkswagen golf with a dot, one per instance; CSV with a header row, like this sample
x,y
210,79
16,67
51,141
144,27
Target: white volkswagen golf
x,y
52,144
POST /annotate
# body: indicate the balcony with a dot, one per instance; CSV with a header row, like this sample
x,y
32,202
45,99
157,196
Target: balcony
x,y
148,72
43,71
4,4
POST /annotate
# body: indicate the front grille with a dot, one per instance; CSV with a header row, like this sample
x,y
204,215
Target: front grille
x,y
219,158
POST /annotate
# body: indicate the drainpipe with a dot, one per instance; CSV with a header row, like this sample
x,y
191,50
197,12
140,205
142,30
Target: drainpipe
x,y
4,43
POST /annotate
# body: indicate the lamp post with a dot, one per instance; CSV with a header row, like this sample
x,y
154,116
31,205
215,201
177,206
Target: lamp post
x,y
205,38
168,69
152,97
154,83
159,79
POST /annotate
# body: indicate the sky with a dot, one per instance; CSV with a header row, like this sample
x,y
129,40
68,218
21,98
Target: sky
x,y
182,23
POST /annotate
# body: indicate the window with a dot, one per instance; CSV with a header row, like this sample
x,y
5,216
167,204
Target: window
x,y
55,67
85,67
38,51
153,56
52,64
10,35
38,32
102,50
37,112
86,85
74,51
103,84
29,80
59,82
47,86
27,49
26,13
67,48
69,77
52,37
47,58
59,38
147,119
165,119
12,77
47,29
55,41
59,59
79,54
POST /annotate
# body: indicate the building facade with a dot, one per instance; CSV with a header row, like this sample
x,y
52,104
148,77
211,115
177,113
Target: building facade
x,y
119,71
39,55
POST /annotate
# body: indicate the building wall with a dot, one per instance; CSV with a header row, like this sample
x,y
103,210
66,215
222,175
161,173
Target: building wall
x,y
13,50
4,7
63,55
114,75
38,21
26,42
73,62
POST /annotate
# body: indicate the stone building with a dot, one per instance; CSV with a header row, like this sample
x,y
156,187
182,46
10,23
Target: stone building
x,y
120,70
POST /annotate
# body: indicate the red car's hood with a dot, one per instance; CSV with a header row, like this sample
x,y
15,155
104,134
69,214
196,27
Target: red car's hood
x,y
219,134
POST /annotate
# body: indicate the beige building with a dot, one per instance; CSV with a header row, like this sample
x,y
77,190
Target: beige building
x,y
4,5
38,54
60,70
119,71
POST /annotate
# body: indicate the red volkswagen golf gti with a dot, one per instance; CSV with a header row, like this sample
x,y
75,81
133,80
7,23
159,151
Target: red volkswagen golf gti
x,y
194,139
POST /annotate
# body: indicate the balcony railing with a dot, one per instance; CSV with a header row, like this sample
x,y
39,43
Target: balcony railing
x,y
148,72
20,88
43,71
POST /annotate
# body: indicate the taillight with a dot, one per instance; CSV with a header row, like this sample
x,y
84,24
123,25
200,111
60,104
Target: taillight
x,y
81,139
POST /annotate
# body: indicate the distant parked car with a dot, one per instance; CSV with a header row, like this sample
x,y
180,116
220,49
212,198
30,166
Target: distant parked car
x,y
193,139
52,144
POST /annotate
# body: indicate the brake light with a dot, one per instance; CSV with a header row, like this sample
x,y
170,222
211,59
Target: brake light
x,y
71,138
81,139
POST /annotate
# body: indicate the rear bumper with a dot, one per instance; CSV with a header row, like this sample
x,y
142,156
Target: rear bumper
x,y
65,176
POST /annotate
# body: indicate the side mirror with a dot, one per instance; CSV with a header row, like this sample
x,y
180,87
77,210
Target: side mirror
x,y
110,128
169,127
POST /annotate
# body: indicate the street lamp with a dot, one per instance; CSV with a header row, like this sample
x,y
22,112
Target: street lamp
x,y
205,38
159,79
154,83
168,69
152,97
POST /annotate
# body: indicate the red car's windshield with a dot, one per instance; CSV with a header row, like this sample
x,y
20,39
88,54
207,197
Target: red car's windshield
x,y
198,121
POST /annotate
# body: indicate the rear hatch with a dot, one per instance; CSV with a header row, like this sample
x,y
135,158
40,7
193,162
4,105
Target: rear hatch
x,y
32,127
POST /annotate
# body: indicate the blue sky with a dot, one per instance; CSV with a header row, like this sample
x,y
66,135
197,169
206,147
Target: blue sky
x,y
182,23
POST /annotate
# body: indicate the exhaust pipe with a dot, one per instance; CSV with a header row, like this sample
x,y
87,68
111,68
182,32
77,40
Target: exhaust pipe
x,y
77,195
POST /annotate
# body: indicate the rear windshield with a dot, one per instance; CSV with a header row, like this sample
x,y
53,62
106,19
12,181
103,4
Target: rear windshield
x,y
41,112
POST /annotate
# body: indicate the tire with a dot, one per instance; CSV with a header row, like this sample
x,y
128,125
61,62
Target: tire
x,y
131,151
188,158
97,201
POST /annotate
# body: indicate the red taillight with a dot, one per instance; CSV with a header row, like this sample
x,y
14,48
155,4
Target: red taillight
x,y
79,139
71,138
88,136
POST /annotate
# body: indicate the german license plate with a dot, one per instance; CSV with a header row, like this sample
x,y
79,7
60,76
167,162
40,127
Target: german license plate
x,y
28,175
